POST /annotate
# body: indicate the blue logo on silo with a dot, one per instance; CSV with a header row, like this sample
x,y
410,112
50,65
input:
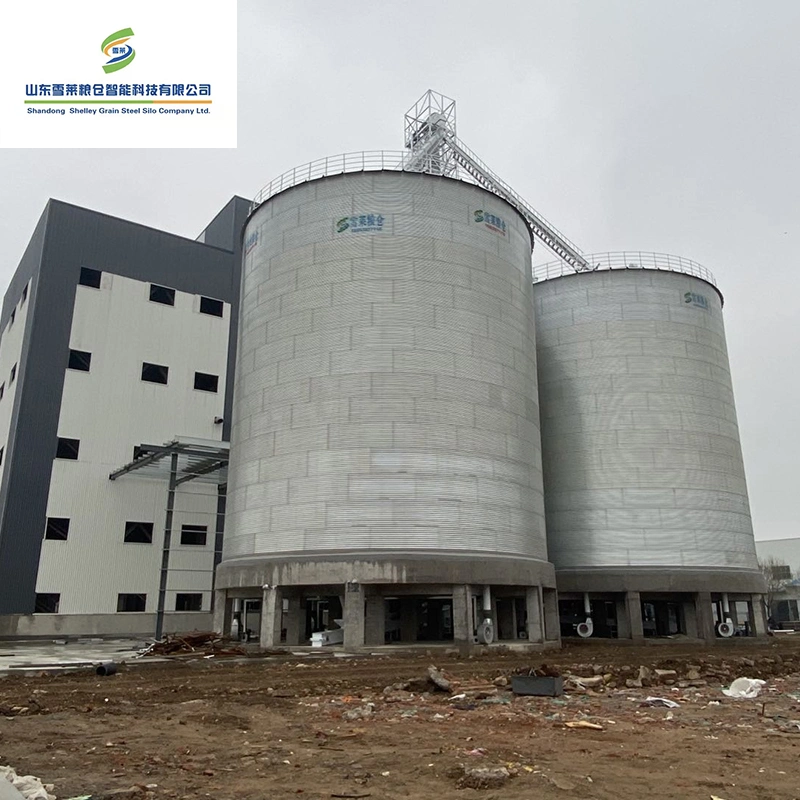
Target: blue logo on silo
x,y
491,221
693,299
250,242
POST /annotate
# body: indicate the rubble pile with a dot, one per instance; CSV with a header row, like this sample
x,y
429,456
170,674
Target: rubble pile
x,y
206,643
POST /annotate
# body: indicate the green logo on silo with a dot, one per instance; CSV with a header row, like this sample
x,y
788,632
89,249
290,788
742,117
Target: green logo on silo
x,y
361,223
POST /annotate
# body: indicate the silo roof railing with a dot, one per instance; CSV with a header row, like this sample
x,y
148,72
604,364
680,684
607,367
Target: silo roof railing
x,y
365,161
375,161
627,259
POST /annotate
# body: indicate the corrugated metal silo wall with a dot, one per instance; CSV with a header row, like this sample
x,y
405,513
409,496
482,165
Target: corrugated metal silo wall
x,y
642,460
386,380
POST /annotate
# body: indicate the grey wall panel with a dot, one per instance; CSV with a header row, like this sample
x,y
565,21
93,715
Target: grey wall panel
x,y
419,426
641,451
67,238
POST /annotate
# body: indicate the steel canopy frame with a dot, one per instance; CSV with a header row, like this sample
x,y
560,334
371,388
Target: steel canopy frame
x,y
201,458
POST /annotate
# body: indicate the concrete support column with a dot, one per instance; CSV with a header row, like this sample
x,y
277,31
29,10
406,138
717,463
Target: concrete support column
x,y
221,622
408,619
552,622
463,624
758,614
353,617
271,617
690,618
623,622
533,607
633,609
705,616
375,622
295,621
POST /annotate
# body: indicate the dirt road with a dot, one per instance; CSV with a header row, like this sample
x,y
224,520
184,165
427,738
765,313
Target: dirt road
x,y
287,727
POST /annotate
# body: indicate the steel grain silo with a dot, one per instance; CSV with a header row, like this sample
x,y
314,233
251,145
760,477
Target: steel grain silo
x,y
386,461
647,512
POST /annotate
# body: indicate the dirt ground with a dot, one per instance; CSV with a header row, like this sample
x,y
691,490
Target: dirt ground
x,y
285,726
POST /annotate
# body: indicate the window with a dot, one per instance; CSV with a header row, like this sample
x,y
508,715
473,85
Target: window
x,y
210,306
154,373
90,277
189,602
139,532
2,390
46,603
68,448
2,450
780,572
194,534
57,529
13,317
206,382
160,294
131,602
13,374
24,294
79,360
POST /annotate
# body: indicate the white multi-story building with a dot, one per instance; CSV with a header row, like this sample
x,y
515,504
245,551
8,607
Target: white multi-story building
x,y
114,354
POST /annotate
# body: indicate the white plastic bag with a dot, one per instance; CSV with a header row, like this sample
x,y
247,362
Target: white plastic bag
x,y
744,688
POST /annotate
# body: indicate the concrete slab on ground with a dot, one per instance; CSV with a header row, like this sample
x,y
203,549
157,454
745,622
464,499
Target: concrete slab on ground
x,y
36,656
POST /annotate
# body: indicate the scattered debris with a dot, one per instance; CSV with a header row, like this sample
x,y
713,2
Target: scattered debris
x,y
30,787
362,712
437,678
594,682
660,701
200,642
584,723
744,688
483,778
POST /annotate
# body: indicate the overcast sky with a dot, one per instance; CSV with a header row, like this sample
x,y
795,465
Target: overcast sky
x,y
656,125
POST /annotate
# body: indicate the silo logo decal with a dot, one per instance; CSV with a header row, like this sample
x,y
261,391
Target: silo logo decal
x,y
491,221
361,223
699,300
250,242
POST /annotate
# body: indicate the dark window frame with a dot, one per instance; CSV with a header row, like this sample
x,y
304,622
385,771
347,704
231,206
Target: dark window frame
x,y
12,317
197,530
212,307
189,599
2,390
56,530
133,598
13,375
137,532
206,378
42,598
24,294
155,371
79,360
64,445
90,277
161,294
